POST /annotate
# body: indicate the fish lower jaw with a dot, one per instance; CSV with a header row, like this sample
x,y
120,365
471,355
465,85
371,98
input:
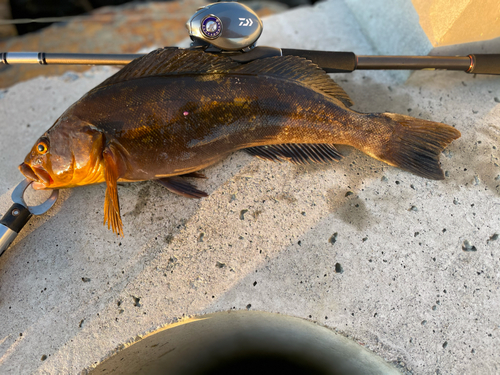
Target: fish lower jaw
x,y
39,186
38,175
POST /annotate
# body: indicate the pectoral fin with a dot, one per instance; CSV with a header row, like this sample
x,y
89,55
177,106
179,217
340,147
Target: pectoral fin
x,y
111,202
179,186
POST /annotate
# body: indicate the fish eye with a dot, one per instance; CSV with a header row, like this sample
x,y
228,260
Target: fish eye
x,y
42,147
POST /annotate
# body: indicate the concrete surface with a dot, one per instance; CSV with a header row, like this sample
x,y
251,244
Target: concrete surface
x,y
415,27
121,29
464,21
428,27
392,26
406,266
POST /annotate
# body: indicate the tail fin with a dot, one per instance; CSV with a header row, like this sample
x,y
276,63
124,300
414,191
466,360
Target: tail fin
x,y
415,144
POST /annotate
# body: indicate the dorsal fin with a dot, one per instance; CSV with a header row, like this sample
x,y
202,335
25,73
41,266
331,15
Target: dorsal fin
x,y
171,60
297,69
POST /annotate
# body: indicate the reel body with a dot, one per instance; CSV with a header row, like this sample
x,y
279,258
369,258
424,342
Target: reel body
x,y
227,26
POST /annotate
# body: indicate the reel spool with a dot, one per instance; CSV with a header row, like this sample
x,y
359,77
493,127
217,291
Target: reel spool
x,y
227,26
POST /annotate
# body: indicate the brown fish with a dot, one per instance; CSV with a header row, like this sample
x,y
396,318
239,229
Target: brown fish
x,y
174,112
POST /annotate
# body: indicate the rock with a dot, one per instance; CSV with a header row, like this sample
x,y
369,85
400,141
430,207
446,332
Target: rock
x,y
123,29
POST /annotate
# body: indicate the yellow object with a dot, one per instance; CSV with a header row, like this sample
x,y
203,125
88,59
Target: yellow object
x,y
449,22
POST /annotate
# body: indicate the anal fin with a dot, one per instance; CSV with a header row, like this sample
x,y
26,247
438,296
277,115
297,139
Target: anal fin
x,y
303,153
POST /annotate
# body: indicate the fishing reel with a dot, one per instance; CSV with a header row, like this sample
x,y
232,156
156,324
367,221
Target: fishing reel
x,y
227,26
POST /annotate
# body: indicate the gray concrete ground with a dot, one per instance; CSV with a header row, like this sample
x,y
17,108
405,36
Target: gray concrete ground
x,y
406,266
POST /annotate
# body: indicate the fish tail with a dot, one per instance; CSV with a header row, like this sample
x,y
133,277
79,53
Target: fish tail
x,y
413,144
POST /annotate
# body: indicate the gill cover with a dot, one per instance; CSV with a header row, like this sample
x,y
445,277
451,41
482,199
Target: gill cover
x,y
67,155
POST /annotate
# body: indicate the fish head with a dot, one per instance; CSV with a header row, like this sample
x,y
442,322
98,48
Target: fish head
x,y
66,155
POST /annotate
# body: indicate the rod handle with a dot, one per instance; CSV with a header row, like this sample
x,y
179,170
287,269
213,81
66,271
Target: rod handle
x,y
485,64
330,62
11,224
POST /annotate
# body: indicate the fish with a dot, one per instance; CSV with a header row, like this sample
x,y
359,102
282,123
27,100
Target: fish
x,y
173,112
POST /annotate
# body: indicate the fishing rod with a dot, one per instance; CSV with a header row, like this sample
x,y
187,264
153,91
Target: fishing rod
x,y
233,29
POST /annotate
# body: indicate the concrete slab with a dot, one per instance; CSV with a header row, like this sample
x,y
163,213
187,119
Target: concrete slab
x,y
392,26
428,27
121,29
460,22
416,27
406,266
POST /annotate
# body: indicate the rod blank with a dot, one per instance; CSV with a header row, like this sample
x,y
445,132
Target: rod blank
x,y
44,58
89,59
463,63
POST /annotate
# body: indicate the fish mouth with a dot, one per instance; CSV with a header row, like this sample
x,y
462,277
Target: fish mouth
x,y
37,174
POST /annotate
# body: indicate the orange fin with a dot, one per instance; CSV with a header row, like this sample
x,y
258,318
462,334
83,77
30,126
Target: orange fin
x,y
111,202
